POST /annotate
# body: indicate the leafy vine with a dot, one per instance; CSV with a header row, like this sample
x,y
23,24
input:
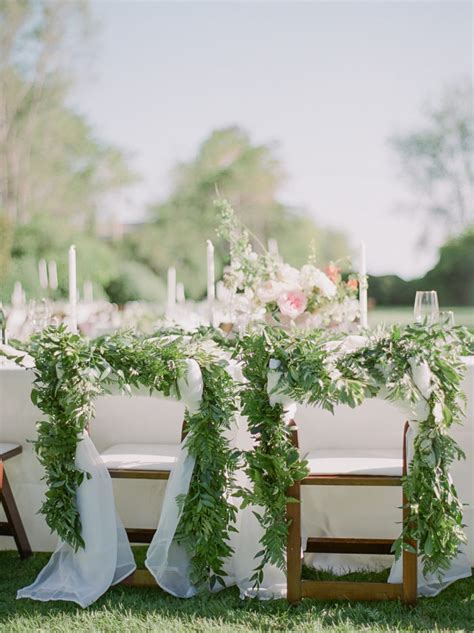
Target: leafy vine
x,y
315,370
70,372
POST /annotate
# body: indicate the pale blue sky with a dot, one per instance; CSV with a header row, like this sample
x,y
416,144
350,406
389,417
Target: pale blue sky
x,y
328,81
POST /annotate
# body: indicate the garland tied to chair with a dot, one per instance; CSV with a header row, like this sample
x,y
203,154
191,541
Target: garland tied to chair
x,y
71,372
312,374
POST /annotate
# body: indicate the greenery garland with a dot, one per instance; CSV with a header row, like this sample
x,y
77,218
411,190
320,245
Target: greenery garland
x,y
70,372
208,514
274,464
312,374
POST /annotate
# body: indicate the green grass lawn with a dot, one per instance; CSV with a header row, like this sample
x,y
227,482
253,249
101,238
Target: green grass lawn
x,y
404,314
130,610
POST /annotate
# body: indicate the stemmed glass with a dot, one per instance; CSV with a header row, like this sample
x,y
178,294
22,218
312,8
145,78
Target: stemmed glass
x,y
426,307
446,319
38,315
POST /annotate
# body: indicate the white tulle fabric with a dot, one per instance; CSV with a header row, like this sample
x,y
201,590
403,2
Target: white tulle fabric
x,y
428,584
168,561
85,575
107,558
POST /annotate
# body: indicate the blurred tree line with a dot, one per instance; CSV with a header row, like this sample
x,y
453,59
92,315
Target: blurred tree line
x,y
56,173
437,163
247,175
452,277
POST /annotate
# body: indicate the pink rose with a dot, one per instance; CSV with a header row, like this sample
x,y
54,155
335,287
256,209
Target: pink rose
x,y
352,284
292,303
332,271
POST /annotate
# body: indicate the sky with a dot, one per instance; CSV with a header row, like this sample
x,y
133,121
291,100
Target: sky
x,y
327,82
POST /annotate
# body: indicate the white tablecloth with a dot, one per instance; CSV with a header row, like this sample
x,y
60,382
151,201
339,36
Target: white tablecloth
x,y
140,419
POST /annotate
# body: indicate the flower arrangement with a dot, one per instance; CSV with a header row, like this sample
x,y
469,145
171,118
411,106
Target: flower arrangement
x,y
262,287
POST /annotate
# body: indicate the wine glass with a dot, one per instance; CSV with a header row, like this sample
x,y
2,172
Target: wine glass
x,y
446,318
426,307
38,315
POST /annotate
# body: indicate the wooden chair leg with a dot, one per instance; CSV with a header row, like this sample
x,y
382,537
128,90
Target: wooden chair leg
x,y
336,590
409,563
293,561
13,516
409,559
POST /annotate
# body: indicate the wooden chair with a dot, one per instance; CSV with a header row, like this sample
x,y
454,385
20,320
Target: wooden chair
x,y
13,526
141,461
335,590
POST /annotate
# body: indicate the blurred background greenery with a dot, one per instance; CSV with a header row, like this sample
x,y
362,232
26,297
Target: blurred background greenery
x,y
56,174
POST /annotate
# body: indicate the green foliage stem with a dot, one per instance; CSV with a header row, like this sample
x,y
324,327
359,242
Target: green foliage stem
x,y
72,372
313,372
315,368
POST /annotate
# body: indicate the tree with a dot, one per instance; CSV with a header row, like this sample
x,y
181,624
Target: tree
x,y
54,171
136,282
452,277
249,176
437,162
453,274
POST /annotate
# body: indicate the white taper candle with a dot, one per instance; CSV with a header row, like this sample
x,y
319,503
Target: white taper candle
x,y
17,295
43,274
363,286
72,289
171,302
272,246
211,286
53,275
180,295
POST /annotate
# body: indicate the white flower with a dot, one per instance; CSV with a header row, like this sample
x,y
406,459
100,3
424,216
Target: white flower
x,y
351,309
239,278
247,310
289,276
224,294
345,312
311,277
242,303
307,277
269,291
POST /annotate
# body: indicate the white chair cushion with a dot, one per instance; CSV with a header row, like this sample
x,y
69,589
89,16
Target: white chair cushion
x,y
355,462
141,456
5,447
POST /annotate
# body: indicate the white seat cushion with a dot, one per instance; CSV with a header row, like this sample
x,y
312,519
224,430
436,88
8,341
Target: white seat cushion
x,y
141,456
5,447
355,462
